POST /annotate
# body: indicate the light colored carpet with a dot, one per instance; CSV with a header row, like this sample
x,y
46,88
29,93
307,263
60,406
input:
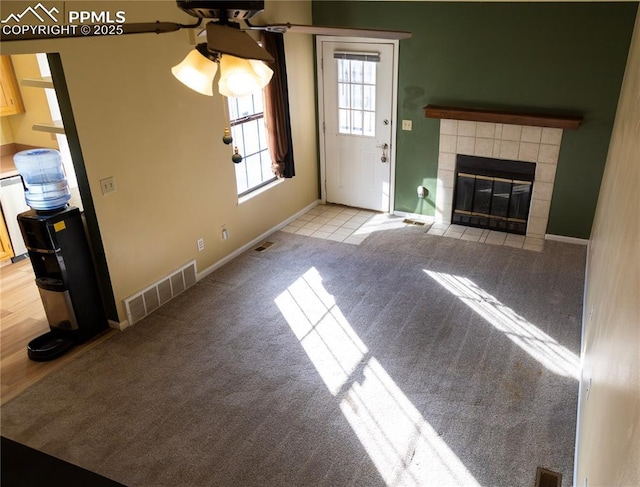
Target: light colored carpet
x,y
410,359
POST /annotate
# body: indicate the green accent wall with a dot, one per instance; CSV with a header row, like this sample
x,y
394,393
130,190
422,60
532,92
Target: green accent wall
x,y
541,57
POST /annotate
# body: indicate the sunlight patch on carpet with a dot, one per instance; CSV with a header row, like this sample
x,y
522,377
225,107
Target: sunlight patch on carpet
x,y
403,446
526,335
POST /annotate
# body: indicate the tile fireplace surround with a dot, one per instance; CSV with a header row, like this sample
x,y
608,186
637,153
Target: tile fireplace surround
x,y
539,145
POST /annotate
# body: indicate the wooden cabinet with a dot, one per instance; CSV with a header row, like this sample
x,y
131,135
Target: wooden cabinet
x,y
10,98
6,250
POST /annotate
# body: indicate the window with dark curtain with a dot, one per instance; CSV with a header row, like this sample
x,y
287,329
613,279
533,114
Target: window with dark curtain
x,y
276,113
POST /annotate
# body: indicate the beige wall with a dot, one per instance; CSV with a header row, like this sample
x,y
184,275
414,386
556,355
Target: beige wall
x,y
18,128
162,144
6,134
609,424
35,105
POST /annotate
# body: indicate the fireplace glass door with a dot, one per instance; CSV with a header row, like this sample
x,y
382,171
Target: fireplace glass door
x,y
495,195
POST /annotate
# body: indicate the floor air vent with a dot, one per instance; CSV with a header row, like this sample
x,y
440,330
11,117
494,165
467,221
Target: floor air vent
x,y
263,246
148,300
547,478
409,221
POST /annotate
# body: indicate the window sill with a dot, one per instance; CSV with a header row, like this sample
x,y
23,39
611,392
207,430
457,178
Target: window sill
x,y
259,191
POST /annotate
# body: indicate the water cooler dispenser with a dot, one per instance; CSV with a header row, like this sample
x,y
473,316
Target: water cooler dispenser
x,y
57,245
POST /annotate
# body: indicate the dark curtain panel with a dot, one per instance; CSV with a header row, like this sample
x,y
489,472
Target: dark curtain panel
x,y
276,110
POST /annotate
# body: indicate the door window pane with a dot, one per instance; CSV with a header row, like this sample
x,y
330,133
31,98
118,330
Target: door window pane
x,y
369,75
344,98
343,71
369,102
357,69
344,125
356,97
356,122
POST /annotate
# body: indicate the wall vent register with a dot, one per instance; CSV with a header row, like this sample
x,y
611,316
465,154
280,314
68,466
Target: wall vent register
x,y
148,300
492,193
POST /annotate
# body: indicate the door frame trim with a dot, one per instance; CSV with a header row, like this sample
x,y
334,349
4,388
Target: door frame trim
x,y
394,110
90,216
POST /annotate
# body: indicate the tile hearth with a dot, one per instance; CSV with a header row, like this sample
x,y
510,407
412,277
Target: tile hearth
x,y
491,237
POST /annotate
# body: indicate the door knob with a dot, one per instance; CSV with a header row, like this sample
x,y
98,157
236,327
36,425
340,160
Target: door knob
x,y
384,148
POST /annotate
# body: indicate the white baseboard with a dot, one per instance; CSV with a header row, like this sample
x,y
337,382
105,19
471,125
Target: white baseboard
x,y
415,216
255,241
571,240
118,325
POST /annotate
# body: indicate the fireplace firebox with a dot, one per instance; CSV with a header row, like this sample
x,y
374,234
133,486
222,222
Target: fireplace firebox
x,y
492,193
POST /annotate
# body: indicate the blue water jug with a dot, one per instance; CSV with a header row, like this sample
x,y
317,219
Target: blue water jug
x,y
44,178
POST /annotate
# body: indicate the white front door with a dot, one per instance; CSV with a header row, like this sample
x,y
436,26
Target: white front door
x,y
356,106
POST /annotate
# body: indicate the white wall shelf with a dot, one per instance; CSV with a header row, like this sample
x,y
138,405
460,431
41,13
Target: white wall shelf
x,y
44,82
53,128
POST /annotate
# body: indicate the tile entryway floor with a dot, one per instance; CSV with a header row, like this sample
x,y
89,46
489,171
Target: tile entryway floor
x,y
335,222
352,225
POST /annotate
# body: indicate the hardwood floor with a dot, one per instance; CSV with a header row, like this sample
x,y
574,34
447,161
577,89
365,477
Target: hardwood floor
x,y
22,318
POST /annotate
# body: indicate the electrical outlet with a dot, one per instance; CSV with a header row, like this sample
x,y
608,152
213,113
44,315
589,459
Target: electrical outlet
x,y
200,244
108,185
224,233
407,125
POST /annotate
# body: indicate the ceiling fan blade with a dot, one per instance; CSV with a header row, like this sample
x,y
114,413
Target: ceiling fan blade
x,y
146,27
338,31
235,42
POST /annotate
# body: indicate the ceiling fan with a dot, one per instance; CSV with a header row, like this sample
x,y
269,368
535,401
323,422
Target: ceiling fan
x,y
230,13
228,49
228,46
245,10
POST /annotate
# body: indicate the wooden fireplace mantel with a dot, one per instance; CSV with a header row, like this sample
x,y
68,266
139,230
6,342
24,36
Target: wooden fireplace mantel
x,y
567,122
